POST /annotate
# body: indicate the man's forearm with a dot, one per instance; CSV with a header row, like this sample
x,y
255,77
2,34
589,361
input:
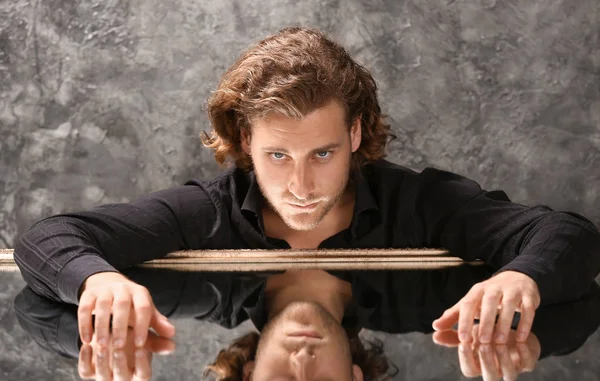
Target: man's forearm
x,y
562,254
55,258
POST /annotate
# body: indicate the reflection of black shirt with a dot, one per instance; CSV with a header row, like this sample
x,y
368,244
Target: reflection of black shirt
x,y
394,208
561,328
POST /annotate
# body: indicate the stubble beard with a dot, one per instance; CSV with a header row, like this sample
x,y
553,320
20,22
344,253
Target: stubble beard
x,y
305,221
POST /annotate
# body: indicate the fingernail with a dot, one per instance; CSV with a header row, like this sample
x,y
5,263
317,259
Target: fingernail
x,y
485,338
483,349
119,343
118,354
102,341
500,338
101,352
139,353
464,336
139,341
87,337
521,336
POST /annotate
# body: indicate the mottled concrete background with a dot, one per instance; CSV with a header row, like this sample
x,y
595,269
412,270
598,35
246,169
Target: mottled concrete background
x,y
103,101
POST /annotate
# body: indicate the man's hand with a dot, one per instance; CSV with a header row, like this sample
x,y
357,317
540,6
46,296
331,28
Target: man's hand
x,y
492,361
130,304
503,294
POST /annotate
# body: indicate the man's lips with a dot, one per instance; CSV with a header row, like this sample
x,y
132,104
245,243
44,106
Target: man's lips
x,y
304,206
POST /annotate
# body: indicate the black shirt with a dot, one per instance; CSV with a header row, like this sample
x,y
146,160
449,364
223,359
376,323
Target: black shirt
x,y
394,208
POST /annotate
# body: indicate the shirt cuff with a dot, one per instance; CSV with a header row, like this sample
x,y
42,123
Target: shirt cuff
x,y
537,270
75,272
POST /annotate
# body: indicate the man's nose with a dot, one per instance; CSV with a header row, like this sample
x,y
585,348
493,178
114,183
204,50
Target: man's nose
x,y
303,363
301,183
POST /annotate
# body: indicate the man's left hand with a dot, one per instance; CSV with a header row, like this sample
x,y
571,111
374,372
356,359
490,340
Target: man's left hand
x,y
503,294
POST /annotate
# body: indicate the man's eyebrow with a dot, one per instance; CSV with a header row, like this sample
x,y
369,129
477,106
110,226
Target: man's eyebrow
x,y
319,149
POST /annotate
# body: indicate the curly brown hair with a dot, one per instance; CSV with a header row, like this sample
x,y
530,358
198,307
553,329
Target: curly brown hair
x,y
292,73
229,364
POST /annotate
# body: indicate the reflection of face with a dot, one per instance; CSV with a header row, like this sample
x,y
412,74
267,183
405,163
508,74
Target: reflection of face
x,y
303,163
281,357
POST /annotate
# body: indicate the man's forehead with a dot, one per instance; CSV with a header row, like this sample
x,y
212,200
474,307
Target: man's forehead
x,y
298,137
307,133
331,111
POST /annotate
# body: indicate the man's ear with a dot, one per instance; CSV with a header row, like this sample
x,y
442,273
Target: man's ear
x,y
357,374
248,368
245,141
356,133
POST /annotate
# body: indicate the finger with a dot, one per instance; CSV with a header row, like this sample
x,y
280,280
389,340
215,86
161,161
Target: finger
x,y
143,310
510,302
468,307
103,372
84,316
448,319
161,324
446,338
159,344
121,370
527,362
489,309
143,370
489,370
507,367
102,322
467,361
120,321
526,321
84,367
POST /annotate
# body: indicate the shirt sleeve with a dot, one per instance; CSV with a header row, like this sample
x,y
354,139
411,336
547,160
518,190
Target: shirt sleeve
x,y
58,253
560,251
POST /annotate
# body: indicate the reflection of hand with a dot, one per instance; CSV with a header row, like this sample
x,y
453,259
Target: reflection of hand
x,y
492,361
106,363
505,293
130,304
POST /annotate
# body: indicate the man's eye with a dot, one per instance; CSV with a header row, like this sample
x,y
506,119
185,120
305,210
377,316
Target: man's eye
x,y
323,154
277,155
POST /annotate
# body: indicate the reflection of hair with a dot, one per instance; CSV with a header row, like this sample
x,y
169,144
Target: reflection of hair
x,y
293,73
229,364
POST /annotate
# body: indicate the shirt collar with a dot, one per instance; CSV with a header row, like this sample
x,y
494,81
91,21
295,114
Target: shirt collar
x,y
253,201
364,201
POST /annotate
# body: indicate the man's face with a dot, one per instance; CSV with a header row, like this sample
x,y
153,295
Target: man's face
x,y
302,166
283,354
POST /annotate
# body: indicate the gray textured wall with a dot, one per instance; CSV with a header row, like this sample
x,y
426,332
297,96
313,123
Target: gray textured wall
x,y
103,101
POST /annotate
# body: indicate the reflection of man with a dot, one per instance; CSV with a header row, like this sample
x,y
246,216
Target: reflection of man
x,y
302,123
558,329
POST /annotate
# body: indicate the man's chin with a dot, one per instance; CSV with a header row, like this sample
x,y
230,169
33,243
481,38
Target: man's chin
x,y
302,223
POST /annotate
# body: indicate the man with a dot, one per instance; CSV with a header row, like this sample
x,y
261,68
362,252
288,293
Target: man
x,y
302,123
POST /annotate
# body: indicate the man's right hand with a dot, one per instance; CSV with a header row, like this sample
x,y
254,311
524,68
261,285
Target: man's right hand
x,y
130,304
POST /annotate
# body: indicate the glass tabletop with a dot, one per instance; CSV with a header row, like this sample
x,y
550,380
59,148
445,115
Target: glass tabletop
x,y
39,337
